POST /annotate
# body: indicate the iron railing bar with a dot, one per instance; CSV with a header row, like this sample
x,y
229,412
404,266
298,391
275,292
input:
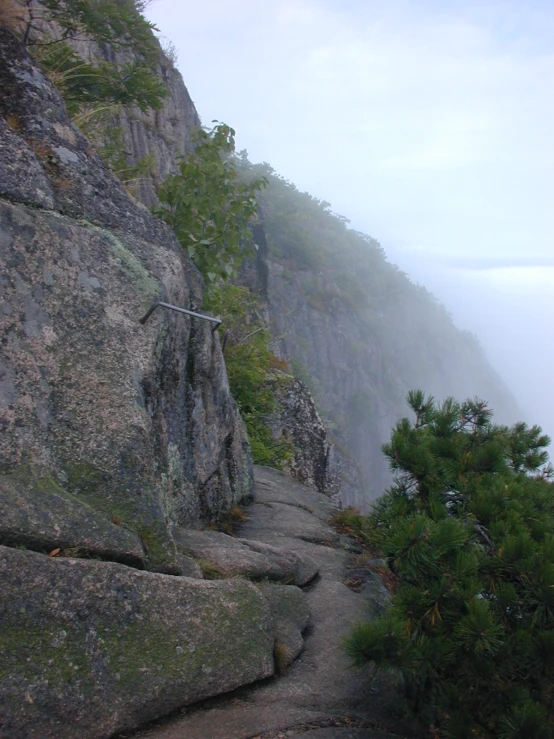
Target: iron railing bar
x,y
147,315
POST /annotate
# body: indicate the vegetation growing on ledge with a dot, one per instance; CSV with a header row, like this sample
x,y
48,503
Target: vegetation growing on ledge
x,y
468,531
95,90
252,369
305,234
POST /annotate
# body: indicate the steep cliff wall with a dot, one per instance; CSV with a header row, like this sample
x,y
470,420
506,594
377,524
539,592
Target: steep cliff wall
x,y
135,423
313,461
162,135
351,326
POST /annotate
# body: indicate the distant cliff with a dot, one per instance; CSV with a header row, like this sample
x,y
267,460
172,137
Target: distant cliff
x,y
359,333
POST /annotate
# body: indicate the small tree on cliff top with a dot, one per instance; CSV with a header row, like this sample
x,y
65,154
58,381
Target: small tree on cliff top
x,y
208,208
468,530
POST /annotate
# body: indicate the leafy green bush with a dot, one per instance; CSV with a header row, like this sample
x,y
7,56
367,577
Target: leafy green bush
x,y
252,369
468,530
91,88
209,209
118,23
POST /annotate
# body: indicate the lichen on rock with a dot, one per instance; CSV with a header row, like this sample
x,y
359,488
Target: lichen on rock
x,y
92,648
135,422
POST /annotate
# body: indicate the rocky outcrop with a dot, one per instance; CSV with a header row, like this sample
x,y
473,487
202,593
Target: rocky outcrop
x,y
291,616
314,461
38,514
88,648
136,423
163,134
159,135
347,374
231,557
297,421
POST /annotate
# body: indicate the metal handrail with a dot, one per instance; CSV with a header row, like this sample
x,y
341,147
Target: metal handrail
x,y
147,315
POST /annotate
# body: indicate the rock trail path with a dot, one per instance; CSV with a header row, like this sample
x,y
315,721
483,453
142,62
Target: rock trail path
x,y
318,696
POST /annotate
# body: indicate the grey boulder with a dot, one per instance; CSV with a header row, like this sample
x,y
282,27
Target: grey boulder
x,y
91,648
231,557
291,617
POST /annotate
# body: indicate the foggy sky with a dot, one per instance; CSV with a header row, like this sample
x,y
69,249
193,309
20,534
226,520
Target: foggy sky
x,y
429,125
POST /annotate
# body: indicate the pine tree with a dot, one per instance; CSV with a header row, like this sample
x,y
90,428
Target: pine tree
x,y
468,530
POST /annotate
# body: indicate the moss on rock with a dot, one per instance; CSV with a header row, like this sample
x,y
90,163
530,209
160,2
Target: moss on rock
x,y
94,648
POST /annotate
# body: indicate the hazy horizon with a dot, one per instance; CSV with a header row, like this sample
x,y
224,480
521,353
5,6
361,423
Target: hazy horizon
x,y
428,128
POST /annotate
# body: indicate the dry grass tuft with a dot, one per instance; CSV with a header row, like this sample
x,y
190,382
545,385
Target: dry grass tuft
x,y
211,570
230,523
281,657
237,514
13,121
12,15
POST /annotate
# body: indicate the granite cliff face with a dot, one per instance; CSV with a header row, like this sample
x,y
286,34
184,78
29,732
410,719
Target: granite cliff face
x,y
134,422
163,134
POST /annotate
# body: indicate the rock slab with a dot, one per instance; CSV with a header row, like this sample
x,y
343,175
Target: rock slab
x,y
243,558
39,515
91,648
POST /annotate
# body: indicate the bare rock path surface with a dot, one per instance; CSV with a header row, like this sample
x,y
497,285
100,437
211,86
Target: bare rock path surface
x,y
319,695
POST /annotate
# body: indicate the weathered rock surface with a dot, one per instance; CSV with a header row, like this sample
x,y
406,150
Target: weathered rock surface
x,y
161,135
291,617
137,422
314,462
38,514
91,648
164,134
366,581
319,689
240,557
291,511
190,567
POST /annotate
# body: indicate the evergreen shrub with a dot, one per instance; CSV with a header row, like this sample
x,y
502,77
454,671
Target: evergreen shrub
x,y
468,531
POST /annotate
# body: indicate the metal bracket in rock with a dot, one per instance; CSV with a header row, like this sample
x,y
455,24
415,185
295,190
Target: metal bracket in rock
x,y
146,316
